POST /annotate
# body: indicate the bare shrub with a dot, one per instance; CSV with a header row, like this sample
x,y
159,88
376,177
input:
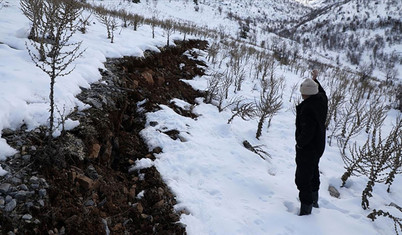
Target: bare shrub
x,y
213,84
109,21
244,110
397,221
84,23
168,27
213,51
136,20
270,102
379,159
354,118
33,10
125,17
52,43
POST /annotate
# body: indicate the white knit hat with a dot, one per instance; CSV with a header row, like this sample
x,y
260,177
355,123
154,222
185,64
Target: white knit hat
x,y
309,87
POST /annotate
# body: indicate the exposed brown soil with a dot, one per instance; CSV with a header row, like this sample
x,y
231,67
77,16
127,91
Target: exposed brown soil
x,y
87,169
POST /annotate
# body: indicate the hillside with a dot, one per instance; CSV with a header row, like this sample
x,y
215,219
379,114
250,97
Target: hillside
x,y
360,32
179,118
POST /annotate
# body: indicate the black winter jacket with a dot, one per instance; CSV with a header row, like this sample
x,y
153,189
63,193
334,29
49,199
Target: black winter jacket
x,y
310,124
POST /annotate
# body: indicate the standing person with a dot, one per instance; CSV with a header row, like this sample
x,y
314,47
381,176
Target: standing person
x,y
311,114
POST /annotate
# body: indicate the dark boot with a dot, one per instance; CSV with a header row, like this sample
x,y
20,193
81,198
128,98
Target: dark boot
x,y
305,209
315,199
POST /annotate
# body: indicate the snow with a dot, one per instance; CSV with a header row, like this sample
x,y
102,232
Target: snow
x,y
226,188
230,190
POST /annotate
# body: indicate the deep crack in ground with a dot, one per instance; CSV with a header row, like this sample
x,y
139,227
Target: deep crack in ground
x,y
88,188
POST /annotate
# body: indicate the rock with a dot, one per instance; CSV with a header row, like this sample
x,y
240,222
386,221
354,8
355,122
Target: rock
x,y
95,151
107,153
147,217
26,157
27,217
42,193
62,231
148,78
35,186
43,183
161,192
132,192
8,198
91,172
159,204
94,103
24,149
150,156
85,182
135,84
2,202
333,191
153,123
160,80
182,139
10,206
41,203
117,227
4,188
15,180
29,204
34,180
157,150
23,187
89,203
21,195
140,208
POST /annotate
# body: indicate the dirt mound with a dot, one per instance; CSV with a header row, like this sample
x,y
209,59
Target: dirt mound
x,y
90,189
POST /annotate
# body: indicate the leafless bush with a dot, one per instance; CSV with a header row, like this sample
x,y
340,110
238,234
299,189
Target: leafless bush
x,y
397,221
136,20
365,71
391,73
222,82
244,110
125,17
109,21
238,76
337,97
84,21
52,43
213,84
33,10
263,67
168,26
153,23
379,159
213,51
396,96
354,118
270,102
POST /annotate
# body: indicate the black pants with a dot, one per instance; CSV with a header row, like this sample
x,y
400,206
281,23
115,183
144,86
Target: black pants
x,y
307,175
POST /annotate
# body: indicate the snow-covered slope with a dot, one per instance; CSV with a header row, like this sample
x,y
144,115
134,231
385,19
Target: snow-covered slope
x,y
225,188
358,31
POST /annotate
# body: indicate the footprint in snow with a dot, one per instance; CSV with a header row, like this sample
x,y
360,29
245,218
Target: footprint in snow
x,y
290,207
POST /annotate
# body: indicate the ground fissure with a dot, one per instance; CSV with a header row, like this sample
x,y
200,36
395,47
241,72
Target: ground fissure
x,y
82,182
